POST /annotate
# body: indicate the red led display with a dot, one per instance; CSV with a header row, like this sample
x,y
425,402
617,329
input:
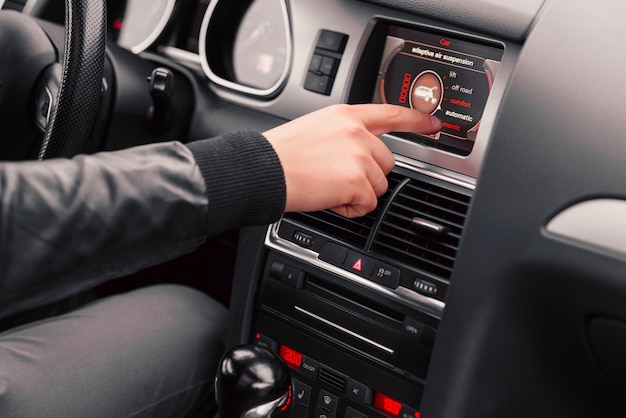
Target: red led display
x,y
387,404
290,356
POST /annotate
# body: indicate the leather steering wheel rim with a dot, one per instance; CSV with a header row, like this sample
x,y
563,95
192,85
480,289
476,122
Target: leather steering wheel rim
x,y
76,110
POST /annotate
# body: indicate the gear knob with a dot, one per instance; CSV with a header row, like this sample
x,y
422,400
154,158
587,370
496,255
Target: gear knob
x,y
251,382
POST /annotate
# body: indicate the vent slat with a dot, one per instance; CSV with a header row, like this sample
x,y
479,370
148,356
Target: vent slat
x,y
332,379
450,249
455,225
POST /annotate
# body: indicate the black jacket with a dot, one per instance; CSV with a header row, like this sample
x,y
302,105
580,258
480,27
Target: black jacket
x,y
68,225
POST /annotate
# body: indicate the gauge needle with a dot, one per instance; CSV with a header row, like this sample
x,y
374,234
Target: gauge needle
x,y
262,29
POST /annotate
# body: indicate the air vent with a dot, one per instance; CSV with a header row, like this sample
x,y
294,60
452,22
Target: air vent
x,y
332,378
402,235
353,231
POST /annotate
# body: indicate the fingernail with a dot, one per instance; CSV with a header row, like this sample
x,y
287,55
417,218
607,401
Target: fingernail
x,y
436,122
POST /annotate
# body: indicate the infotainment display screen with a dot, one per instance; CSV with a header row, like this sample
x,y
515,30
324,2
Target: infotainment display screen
x,y
441,75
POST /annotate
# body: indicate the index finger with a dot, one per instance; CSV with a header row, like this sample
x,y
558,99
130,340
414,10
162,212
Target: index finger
x,y
383,118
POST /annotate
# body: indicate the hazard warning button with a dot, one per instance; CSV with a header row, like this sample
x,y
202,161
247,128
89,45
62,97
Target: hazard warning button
x,y
359,264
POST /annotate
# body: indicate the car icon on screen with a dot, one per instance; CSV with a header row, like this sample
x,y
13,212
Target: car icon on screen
x,y
426,93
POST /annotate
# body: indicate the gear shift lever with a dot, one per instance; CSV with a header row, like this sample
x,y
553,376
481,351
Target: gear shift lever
x,y
251,382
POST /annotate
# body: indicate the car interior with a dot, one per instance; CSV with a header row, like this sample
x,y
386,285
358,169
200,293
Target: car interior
x,y
490,281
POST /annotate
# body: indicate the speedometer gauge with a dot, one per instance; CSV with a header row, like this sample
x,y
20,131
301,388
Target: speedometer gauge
x,y
142,23
251,56
260,48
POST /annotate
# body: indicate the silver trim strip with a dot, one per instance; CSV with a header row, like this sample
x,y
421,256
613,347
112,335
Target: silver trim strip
x,y
425,171
158,29
232,85
179,54
342,329
402,295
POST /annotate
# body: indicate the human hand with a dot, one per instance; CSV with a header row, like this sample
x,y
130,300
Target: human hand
x,y
333,158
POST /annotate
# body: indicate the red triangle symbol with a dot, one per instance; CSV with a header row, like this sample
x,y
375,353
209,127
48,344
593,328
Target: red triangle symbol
x,y
358,265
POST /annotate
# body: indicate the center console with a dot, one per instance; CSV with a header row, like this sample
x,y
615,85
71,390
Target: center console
x,y
353,305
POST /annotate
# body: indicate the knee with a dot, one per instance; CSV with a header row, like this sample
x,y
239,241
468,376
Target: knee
x,y
179,304
179,312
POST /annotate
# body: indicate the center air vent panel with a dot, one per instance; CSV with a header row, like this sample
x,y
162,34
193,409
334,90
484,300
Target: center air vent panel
x,y
430,249
416,228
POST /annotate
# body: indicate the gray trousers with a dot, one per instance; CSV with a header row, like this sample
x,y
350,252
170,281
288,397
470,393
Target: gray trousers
x,y
147,353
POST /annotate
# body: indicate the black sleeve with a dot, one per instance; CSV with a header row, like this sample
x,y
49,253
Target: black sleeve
x,y
69,225
244,179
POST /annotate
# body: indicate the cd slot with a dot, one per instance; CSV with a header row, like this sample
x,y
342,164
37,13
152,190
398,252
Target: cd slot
x,y
345,330
349,319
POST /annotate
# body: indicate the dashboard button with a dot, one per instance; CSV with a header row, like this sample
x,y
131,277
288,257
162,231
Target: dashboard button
x,y
358,392
301,393
413,329
276,270
316,61
360,264
328,401
386,275
322,413
293,276
309,368
332,41
322,84
408,412
329,66
352,413
264,341
333,253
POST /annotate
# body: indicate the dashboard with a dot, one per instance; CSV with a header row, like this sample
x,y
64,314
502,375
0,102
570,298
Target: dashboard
x,y
489,281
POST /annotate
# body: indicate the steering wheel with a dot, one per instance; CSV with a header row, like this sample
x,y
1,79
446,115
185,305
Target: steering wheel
x,y
48,107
